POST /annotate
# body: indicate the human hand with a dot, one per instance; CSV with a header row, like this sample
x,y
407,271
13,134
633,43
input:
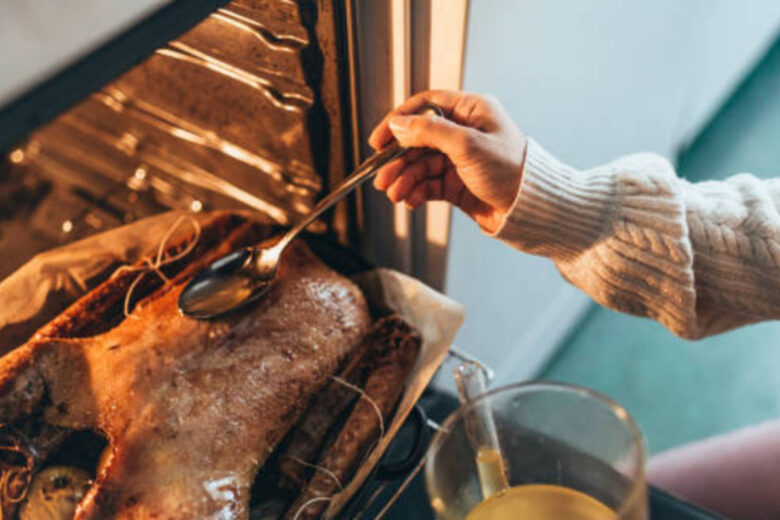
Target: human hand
x,y
472,159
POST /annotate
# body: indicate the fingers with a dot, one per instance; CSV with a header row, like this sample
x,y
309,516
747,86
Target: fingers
x,y
444,99
434,188
428,131
431,188
389,172
414,174
404,184
418,195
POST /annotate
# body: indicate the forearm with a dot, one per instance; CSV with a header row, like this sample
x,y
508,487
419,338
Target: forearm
x,y
734,227
638,239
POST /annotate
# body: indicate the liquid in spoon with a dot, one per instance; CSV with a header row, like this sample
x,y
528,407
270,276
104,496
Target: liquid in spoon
x,y
218,295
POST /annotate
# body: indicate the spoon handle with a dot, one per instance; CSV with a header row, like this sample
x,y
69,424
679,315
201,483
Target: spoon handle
x,y
364,170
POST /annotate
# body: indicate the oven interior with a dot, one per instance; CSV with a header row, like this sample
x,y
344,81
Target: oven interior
x,y
217,104
248,108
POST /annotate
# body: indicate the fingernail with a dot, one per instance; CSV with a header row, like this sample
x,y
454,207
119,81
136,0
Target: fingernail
x,y
399,123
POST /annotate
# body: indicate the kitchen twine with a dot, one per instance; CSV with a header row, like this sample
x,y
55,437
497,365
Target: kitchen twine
x,y
316,468
378,411
365,396
308,503
13,476
376,408
159,261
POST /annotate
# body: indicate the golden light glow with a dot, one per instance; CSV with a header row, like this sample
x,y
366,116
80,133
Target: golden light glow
x,y
401,218
437,223
17,156
128,143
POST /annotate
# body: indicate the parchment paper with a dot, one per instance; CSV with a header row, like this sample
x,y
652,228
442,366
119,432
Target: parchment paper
x,y
437,319
50,281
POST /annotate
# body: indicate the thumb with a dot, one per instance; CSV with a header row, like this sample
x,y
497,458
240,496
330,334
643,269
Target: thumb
x,y
429,131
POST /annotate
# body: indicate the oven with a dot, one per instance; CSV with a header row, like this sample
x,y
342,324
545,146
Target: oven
x,y
110,112
114,112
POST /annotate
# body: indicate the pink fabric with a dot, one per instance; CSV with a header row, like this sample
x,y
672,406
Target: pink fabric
x,y
736,475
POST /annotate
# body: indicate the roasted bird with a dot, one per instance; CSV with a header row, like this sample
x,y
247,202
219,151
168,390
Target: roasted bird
x,y
192,410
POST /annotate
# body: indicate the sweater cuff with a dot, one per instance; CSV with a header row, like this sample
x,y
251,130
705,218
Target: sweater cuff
x,y
558,211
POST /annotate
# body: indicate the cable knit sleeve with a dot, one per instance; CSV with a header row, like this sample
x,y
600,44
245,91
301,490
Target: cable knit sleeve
x,y
699,258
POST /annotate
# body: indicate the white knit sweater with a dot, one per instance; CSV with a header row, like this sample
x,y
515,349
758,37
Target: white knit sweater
x,y
700,258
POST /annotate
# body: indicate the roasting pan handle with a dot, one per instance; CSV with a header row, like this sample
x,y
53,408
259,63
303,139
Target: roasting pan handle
x,y
391,470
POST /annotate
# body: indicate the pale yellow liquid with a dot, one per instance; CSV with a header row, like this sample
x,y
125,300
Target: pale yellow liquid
x,y
492,472
541,502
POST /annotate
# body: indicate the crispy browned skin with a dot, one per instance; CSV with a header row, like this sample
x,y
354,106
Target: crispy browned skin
x,y
191,409
395,346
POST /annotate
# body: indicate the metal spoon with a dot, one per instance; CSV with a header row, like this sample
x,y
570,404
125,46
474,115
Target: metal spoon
x,y
245,275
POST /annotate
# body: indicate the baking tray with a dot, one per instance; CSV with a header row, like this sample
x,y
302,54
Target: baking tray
x,y
80,451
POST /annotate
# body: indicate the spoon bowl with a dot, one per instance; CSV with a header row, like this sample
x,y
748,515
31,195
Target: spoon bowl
x,y
228,284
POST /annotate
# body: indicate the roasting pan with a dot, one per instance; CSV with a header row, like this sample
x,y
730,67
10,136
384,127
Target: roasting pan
x,y
407,446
